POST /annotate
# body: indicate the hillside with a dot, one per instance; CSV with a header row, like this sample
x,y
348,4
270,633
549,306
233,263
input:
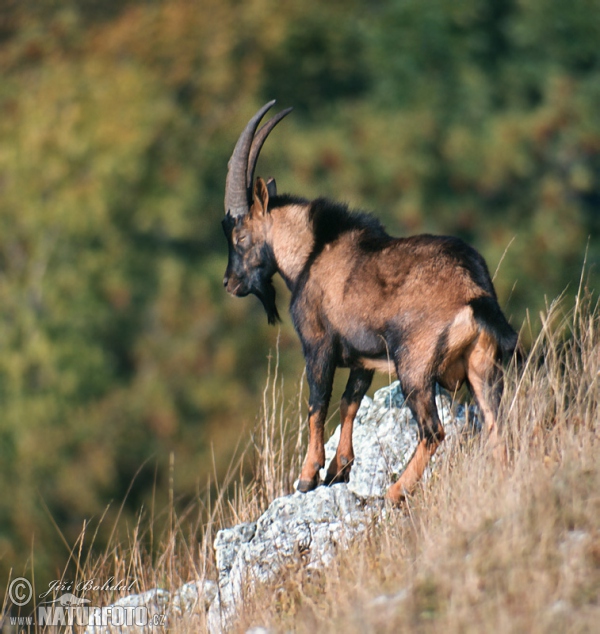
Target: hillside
x,y
130,382
475,549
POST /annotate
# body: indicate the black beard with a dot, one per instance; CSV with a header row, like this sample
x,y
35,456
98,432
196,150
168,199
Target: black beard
x,y
267,294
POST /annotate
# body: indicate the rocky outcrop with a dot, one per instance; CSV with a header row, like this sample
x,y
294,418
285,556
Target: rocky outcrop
x,y
310,528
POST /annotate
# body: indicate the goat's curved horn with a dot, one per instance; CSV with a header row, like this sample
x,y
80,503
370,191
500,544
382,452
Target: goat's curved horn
x,y
259,139
238,197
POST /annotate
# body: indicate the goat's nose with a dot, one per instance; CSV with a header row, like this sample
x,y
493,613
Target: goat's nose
x,y
225,280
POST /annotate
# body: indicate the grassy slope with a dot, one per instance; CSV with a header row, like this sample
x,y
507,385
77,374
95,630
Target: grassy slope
x,y
476,550
479,550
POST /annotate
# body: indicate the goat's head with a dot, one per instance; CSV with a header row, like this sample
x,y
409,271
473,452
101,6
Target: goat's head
x,y
251,264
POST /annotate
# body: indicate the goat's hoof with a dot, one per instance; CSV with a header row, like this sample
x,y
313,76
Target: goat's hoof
x,y
338,477
336,474
304,486
396,497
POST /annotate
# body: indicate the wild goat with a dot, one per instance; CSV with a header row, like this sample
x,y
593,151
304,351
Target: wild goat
x,y
360,299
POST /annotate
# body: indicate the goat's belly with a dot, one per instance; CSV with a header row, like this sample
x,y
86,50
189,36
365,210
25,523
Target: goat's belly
x,y
362,348
379,365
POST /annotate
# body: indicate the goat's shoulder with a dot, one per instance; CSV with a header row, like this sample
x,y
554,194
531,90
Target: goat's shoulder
x,y
342,241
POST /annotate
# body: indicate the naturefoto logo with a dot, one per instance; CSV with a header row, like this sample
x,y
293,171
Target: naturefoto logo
x,y
69,609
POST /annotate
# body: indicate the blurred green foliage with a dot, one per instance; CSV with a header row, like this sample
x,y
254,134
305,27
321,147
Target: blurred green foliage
x,y
118,346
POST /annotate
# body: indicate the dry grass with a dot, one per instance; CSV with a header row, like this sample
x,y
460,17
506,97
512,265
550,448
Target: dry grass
x,y
476,549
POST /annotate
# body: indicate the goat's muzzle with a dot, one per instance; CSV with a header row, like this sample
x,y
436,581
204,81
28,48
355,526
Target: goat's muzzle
x,y
235,287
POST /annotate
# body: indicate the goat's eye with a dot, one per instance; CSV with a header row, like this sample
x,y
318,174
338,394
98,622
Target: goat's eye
x,y
241,239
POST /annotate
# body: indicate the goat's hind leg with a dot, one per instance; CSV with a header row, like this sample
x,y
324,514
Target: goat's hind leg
x,y
357,386
485,379
421,402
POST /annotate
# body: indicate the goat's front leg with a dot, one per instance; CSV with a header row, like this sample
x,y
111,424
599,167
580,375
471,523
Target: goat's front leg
x,y
359,382
320,369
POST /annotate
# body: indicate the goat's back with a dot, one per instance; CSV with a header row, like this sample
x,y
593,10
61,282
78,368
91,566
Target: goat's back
x,y
379,280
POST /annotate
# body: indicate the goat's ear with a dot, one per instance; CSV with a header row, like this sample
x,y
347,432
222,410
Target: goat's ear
x,y
272,187
260,205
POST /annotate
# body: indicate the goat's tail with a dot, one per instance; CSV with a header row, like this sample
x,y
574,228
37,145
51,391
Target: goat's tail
x,y
488,315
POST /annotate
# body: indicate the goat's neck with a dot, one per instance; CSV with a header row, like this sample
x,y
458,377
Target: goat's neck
x,y
291,239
